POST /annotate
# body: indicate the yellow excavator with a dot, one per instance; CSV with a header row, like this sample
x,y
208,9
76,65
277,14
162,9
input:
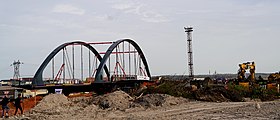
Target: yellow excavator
x,y
274,81
242,80
274,77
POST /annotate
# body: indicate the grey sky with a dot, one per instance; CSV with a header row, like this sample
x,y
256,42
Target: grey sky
x,y
226,32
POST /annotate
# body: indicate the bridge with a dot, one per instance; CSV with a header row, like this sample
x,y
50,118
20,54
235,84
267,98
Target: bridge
x,y
79,67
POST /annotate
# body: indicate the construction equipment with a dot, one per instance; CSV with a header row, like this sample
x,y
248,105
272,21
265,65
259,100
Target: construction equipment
x,y
274,77
252,68
274,81
242,73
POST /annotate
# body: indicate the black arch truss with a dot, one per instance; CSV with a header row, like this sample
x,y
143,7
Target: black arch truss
x,y
99,73
38,78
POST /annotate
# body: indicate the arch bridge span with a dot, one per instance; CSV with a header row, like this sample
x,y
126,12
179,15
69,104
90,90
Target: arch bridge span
x,y
135,59
79,66
38,77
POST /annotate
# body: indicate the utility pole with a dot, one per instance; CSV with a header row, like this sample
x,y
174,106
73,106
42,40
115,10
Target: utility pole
x,y
16,65
189,30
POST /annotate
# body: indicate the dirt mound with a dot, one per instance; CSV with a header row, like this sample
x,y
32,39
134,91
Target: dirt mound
x,y
120,100
58,106
52,104
117,100
153,100
216,94
82,101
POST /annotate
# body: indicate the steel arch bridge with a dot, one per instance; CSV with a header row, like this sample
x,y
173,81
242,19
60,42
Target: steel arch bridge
x,y
38,79
86,68
110,50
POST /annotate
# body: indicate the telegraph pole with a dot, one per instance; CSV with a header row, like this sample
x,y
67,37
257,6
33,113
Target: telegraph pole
x,y
16,65
189,30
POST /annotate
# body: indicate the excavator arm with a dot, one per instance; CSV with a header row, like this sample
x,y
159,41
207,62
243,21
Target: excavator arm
x,y
242,71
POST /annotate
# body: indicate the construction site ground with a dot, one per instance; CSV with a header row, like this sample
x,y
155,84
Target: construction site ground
x,y
119,105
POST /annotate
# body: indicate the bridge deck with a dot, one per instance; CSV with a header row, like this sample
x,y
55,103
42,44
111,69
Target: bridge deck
x,y
95,87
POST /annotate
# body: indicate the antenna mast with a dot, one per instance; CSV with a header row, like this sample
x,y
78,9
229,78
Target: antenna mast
x,y
189,30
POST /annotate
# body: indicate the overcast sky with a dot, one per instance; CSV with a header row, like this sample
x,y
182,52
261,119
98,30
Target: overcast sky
x,y
226,32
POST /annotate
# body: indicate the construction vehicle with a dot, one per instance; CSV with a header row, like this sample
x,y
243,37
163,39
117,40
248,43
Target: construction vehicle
x,y
274,76
242,80
274,81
